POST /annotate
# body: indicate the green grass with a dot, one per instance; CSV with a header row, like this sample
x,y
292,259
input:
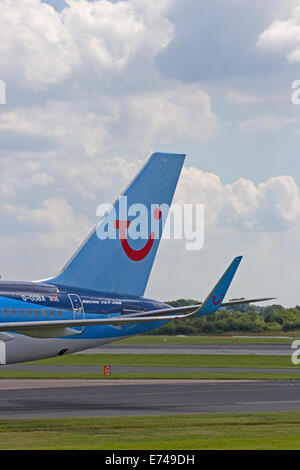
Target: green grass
x,y
251,431
175,360
281,338
166,360
151,375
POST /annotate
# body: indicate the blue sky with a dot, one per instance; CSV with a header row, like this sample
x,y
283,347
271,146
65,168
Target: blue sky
x,y
93,87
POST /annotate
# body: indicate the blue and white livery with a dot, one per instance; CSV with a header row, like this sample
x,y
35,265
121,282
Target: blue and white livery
x,y
98,297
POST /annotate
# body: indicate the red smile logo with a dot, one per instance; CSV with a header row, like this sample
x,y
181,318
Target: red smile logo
x,y
215,302
135,255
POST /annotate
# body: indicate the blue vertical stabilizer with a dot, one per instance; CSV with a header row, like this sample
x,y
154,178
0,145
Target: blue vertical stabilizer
x,y
121,262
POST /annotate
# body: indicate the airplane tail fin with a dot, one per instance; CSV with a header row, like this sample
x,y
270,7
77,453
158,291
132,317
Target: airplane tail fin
x,y
118,255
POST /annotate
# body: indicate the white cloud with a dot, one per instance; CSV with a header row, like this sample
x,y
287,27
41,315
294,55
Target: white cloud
x,y
23,173
47,46
62,122
33,34
283,35
136,120
197,187
89,97
243,98
53,223
269,123
179,112
236,96
110,34
86,151
270,206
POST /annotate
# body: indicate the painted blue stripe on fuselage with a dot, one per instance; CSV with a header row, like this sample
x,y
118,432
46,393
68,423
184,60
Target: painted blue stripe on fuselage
x,y
13,310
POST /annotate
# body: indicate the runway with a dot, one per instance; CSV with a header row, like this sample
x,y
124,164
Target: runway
x,y
108,397
88,398
66,369
240,349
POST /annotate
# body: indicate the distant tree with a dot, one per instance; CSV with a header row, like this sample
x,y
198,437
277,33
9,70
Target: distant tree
x,y
243,318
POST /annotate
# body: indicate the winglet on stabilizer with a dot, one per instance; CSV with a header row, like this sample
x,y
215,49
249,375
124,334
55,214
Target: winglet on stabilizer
x,y
214,300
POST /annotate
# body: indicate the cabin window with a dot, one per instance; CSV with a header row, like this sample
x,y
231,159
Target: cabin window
x,y
59,313
37,312
44,312
5,312
29,312
13,312
52,313
21,312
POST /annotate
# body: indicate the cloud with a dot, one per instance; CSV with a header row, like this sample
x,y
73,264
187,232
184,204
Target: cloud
x,y
139,120
179,112
48,46
270,206
236,96
53,224
217,39
282,36
242,98
269,123
93,87
60,121
34,34
23,176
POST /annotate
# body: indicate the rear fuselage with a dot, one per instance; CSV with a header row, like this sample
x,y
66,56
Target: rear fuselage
x,y
32,301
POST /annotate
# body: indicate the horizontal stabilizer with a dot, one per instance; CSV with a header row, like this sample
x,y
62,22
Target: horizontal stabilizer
x,y
192,308
115,320
55,328
246,301
212,303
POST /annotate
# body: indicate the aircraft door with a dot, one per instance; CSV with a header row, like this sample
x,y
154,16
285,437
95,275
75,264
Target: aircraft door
x,y
78,311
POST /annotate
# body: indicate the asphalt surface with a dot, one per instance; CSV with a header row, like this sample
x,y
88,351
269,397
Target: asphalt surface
x,y
254,349
49,399
140,369
106,397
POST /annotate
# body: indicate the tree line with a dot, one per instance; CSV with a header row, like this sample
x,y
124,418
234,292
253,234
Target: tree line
x,y
236,319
